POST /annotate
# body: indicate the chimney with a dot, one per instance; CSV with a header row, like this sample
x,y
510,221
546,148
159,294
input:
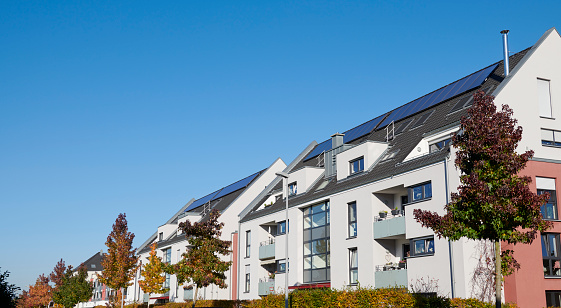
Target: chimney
x,y
505,51
336,140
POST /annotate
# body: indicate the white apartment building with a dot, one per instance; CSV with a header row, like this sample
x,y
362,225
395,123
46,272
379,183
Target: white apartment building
x,y
351,198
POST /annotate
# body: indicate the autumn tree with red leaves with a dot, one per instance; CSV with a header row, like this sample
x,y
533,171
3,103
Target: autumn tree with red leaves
x,y
119,264
57,275
201,264
153,274
493,202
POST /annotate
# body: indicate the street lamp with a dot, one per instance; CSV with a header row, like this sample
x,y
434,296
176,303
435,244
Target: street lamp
x,y
284,176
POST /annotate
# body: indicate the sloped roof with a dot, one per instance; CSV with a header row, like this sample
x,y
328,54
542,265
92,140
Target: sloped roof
x,y
93,264
403,143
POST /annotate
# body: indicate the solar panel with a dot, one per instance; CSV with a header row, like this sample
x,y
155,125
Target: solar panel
x,y
236,186
402,127
422,120
201,201
350,135
458,87
361,130
324,146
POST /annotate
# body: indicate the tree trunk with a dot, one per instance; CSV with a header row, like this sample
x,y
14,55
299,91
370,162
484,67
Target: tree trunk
x,y
195,295
498,277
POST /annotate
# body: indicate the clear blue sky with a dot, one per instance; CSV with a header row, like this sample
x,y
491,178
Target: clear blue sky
x,y
139,106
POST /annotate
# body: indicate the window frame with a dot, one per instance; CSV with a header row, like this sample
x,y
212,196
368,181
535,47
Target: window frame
x,y
551,202
542,97
551,260
353,269
316,237
426,252
247,285
424,195
248,243
279,262
553,298
352,223
280,224
553,142
292,189
360,161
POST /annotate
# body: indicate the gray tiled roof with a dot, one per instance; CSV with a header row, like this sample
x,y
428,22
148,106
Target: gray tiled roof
x,y
404,143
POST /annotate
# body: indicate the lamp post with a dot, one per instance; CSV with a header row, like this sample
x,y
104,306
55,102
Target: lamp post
x,y
284,176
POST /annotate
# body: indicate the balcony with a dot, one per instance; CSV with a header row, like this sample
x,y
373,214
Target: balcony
x,y
390,226
266,286
267,249
390,275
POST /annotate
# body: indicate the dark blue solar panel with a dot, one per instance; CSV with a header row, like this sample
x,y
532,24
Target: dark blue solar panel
x,y
361,130
236,186
463,85
350,135
324,146
201,201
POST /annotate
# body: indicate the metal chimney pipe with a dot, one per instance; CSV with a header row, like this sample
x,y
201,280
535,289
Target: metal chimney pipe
x,y
505,51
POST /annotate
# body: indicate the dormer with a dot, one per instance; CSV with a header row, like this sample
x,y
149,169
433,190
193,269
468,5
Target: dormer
x,y
359,158
165,231
432,142
301,180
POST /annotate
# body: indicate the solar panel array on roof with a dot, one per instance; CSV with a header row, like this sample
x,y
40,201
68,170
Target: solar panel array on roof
x,y
350,135
223,191
201,201
235,186
402,127
466,101
465,84
422,120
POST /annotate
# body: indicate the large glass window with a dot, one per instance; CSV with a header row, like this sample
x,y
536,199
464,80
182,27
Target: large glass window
x,y
420,192
281,266
422,246
551,137
353,266
549,209
550,254
316,243
437,146
247,244
352,219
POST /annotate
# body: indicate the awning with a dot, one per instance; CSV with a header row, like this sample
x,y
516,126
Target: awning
x,y
270,261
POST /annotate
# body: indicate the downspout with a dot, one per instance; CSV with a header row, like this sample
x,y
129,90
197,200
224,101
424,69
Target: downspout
x,y
450,251
238,248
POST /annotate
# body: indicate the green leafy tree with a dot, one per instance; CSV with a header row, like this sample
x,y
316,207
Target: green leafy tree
x,y
493,202
153,274
201,264
7,291
74,288
119,264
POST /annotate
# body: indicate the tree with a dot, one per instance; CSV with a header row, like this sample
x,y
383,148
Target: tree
x,y
74,288
153,279
201,264
58,273
7,291
39,295
493,202
119,264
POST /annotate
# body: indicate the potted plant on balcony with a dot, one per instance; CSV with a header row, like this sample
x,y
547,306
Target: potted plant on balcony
x,y
271,276
395,211
383,214
402,263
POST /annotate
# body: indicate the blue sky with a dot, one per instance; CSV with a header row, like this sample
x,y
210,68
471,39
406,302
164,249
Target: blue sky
x,y
139,106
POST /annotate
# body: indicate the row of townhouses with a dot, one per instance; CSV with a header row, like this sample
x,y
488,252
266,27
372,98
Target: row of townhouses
x,y
351,200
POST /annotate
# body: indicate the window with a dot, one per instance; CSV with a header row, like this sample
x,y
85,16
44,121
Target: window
x,y
161,236
292,189
550,253
544,98
553,298
247,279
247,244
281,228
166,283
551,137
549,210
352,219
420,192
167,255
353,266
281,266
422,246
317,266
357,165
437,146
